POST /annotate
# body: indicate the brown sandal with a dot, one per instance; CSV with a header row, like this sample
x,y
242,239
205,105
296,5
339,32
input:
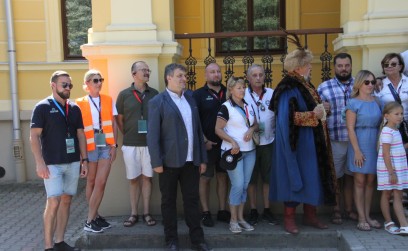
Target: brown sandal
x,y
133,219
149,220
350,215
336,218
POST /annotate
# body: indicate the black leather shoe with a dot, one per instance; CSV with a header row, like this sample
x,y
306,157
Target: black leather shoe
x,y
201,247
173,246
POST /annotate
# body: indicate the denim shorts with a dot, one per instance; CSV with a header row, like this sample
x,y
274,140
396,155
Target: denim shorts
x,y
63,179
99,153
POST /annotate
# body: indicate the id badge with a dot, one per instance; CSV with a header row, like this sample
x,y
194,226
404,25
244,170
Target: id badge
x,y
261,128
142,126
100,139
70,145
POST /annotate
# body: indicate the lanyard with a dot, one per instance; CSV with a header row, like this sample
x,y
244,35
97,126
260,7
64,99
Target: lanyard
x,y
65,114
140,100
258,103
243,112
99,111
346,91
213,93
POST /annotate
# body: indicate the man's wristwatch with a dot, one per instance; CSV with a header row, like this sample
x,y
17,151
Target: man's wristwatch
x,y
85,159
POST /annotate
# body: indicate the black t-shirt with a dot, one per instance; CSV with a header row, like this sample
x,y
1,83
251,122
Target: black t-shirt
x,y
47,116
209,102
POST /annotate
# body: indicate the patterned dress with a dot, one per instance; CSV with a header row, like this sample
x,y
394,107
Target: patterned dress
x,y
398,161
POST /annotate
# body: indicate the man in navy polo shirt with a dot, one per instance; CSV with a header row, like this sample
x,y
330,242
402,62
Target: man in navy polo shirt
x,y
209,99
58,143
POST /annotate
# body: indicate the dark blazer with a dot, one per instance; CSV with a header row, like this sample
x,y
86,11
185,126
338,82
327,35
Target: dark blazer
x,y
167,138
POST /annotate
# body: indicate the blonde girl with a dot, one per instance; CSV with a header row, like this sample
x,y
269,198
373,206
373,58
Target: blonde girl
x,y
392,169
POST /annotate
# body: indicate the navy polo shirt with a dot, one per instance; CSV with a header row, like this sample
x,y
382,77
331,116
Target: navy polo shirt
x,y
47,116
208,103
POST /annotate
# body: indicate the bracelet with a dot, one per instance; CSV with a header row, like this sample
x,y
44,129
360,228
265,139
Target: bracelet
x,y
85,159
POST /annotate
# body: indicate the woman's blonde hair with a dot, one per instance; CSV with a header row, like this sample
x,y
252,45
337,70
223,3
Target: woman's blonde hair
x,y
88,76
297,58
233,81
359,81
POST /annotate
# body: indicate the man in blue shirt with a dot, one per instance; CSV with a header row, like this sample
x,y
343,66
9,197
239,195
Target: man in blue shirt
x,y
335,93
58,144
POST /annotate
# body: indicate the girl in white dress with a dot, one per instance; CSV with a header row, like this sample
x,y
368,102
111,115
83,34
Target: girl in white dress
x,y
392,169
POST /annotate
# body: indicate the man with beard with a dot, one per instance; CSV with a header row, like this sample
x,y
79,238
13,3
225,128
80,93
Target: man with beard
x,y
58,143
209,99
335,93
132,106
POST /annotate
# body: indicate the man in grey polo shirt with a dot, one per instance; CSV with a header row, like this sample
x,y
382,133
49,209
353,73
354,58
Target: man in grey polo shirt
x,y
132,118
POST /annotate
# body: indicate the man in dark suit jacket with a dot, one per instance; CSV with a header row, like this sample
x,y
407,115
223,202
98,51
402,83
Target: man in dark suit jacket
x,y
176,146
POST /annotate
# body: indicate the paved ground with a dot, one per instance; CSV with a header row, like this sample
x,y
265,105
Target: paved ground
x,y
22,205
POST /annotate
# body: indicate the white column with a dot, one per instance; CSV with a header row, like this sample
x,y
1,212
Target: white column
x,y
373,28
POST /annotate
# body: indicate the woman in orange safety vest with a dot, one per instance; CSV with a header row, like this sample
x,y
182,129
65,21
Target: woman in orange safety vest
x,y
98,115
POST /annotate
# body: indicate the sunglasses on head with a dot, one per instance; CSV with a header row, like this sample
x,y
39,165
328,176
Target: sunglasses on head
x,y
237,78
372,82
97,80
386,65
65,85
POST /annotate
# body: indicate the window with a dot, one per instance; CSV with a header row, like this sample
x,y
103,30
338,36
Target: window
x,y
249,15
76,20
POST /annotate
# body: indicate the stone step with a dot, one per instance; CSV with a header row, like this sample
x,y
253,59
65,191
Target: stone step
x,y
264,237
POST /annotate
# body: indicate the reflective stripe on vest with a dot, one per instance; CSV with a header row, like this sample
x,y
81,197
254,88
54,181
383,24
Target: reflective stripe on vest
x,y
107,117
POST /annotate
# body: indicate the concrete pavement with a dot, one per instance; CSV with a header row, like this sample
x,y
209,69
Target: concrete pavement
x,y
21,229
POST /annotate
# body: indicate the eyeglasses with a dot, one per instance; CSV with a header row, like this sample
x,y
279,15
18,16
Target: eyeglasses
x,y
372,82
144,71
96,80
386,65
65,85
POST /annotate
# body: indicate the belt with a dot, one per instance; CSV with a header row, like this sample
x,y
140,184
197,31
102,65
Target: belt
x,y
97,131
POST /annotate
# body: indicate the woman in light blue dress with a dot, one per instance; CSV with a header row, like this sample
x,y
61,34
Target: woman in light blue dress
x,y
363,117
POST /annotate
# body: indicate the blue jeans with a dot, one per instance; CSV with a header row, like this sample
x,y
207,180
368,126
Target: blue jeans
x,y
99,153
240,178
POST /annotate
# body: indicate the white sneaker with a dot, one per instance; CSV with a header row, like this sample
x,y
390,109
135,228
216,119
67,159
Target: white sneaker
x,y
235,228
245,226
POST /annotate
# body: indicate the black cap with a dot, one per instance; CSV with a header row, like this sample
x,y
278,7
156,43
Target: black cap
x,y
229,161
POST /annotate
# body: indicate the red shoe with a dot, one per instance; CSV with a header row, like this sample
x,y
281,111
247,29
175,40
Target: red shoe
x,y
289,220
310,218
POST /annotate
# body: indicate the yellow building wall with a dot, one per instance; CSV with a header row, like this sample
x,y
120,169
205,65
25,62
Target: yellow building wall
x,y
310,14
32,36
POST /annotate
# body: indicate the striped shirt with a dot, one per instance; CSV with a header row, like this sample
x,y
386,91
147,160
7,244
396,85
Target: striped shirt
x,y
337,94
398,161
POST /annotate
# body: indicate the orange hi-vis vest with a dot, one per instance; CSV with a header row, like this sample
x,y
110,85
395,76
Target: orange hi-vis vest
x,y
107,117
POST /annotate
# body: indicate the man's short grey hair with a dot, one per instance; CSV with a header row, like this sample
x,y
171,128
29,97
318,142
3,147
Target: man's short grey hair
x,y
170,68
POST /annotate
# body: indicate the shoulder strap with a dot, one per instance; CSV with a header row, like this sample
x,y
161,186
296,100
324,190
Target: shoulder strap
x,y
394,93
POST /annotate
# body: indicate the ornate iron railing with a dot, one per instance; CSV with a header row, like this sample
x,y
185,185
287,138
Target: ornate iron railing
x,y
266,60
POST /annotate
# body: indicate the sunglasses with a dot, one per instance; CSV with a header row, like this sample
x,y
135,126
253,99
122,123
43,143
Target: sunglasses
x,y
386,65
237,78
96,80
372,82
65,85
